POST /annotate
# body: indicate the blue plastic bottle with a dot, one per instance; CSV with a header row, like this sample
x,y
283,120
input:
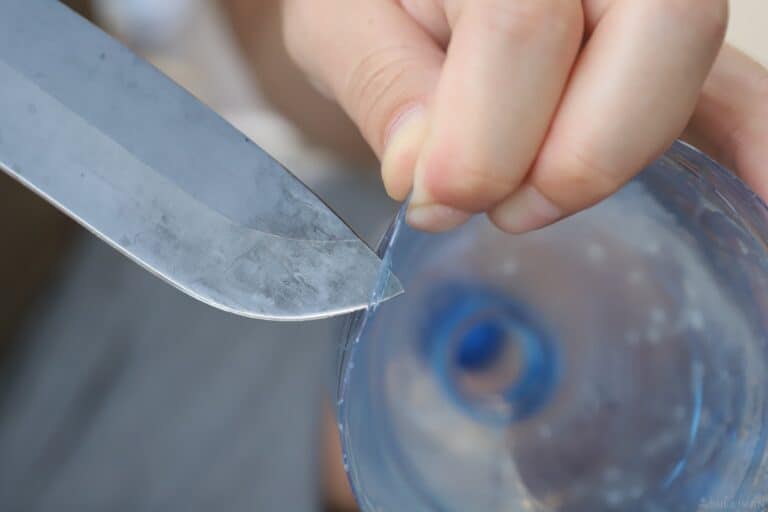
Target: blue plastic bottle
x,y
615,361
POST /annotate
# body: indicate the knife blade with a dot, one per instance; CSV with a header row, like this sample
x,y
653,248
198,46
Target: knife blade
x,y
140,162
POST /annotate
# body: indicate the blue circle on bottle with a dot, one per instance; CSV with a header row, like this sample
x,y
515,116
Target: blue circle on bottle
x,y
468,330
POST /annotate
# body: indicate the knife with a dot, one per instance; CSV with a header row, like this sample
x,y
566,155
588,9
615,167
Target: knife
x,y
137,160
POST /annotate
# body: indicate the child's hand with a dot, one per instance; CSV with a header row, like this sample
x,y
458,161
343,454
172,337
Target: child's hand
x,y
531,110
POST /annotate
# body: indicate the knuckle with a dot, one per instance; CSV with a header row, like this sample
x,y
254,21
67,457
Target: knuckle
x,y
712,19
577,175
372,90
521,19
709,18
467,183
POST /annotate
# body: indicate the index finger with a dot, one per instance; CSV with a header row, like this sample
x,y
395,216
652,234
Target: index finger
x,y
632,92
507,65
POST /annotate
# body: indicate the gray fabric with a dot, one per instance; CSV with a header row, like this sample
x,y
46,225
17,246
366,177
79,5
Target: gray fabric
x,y
124,394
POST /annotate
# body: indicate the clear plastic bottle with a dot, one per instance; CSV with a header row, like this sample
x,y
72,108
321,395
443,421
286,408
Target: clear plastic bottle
x,y
617,360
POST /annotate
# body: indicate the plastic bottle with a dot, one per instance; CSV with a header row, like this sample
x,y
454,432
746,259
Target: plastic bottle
x,y
617,360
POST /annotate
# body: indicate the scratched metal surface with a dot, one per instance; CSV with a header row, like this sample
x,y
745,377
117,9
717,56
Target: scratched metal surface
x,y
119,147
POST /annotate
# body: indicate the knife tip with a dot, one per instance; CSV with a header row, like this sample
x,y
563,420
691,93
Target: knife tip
x,y
391,289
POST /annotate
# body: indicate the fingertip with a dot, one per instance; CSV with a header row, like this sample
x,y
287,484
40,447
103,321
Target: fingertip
x,y
397,187
425,213
526,210
449,173
435,218
404,140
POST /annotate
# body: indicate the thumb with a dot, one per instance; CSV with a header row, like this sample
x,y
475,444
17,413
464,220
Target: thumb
x,y
381,67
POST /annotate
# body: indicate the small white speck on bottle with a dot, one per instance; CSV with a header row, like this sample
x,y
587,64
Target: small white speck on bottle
x,y
595,253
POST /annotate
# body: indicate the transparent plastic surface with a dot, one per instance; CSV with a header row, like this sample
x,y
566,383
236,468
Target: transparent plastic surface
x,y
614,361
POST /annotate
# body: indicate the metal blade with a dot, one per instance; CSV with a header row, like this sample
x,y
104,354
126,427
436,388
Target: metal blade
x,y
130,155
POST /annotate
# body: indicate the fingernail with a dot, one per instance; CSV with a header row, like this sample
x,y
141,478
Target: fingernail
x,y
401,150
435,217
525,211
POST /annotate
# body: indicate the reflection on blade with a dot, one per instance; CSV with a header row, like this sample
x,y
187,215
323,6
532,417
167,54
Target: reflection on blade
x,y
141,163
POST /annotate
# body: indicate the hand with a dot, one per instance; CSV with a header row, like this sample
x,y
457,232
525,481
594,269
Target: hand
x,y
531,110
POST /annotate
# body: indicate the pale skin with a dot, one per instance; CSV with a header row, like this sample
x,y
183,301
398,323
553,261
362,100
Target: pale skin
x,y
527,110
531,110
